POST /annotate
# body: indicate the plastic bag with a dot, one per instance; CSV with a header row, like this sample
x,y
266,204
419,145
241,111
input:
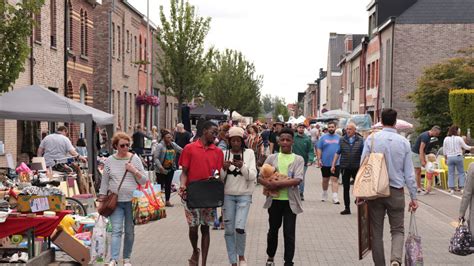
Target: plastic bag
x,y
98,241
414,253
147,204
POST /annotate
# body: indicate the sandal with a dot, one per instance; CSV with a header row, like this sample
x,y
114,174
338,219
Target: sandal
x,y
194,260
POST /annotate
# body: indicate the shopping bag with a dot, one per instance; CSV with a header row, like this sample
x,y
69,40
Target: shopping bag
x,y
372,178
147,204
461,241
98,241
207,193
413,251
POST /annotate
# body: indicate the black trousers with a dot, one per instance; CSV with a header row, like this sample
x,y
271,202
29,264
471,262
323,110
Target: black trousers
x,y
165,181
347,174
279,212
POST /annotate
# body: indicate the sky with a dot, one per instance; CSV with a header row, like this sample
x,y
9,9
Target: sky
x,y
286,40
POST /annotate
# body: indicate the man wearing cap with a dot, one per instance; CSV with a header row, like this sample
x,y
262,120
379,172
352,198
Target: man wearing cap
x,y
274,146
303,147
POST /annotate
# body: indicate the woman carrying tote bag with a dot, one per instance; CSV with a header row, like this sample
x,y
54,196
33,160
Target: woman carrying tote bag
x,y
122,170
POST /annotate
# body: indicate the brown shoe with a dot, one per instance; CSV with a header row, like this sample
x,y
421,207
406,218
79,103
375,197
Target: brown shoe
x,y
168,204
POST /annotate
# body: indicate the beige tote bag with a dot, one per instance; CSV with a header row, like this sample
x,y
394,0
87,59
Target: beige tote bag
x,y
372,178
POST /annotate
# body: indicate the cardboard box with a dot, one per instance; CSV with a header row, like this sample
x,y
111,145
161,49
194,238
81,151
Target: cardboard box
x,y
72,247
56,203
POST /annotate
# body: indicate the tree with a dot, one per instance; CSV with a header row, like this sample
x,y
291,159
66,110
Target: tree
x,y
461,105
182,60
16,24
267,103
280,108
432,94
232,83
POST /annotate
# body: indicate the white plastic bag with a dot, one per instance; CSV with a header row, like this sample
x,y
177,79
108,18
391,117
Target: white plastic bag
x,y
98,241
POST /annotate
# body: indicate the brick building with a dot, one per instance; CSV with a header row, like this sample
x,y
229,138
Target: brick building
x,y
46,67
80,56
119,47
334,74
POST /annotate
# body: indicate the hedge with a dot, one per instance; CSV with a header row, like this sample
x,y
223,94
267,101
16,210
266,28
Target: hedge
x,y
461,106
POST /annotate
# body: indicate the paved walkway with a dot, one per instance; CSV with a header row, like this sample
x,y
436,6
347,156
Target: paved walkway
x,y
324,237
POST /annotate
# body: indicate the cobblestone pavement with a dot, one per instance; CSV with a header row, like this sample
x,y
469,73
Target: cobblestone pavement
x,y
324,237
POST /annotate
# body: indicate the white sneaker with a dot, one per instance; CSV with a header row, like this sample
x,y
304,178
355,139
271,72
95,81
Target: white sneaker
x,y
14,258
113,263
335,200
462,191
324,196
126,262
23,257
451,192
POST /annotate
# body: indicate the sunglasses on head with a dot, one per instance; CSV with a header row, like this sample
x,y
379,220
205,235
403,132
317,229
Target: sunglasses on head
x,y
124,145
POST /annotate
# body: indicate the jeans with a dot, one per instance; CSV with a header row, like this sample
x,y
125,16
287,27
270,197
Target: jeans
x,y
347,173
456,162
394,207
301,185
121,215
165,181
279,212
236,210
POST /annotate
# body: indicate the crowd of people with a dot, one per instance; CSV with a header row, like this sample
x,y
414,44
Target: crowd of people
x,y
235,153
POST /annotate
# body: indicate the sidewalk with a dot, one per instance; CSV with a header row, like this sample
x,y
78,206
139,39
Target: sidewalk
x,y
324,237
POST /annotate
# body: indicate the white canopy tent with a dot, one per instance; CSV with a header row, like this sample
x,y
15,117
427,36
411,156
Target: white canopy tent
x,y
37,103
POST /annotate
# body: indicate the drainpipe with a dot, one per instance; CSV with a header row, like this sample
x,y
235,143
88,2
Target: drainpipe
x,y
391,63
66,58
363,73
377,110
111,10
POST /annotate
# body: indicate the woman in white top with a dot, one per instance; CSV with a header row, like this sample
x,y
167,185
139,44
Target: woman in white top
x,y
453,146
239,175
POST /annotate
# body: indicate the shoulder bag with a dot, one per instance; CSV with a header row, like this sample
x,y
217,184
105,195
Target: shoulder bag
x,y
109,203
372,179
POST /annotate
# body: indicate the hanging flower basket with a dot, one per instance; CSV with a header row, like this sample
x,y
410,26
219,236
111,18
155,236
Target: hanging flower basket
x,y
147,100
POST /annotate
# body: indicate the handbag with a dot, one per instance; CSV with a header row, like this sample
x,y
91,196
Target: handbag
x,y
109,203
147,204
207,193
460,243
414,253
372,179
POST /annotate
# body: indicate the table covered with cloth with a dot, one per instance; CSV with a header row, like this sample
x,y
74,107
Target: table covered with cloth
x,y
43,226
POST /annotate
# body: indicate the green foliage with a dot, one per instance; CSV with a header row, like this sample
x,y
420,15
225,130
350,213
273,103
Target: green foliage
x,y
232,83
431,96
461,104
267,103
280,109
182,60
16,23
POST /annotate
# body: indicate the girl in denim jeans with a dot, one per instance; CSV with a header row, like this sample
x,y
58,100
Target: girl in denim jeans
x,y
239,175
114,170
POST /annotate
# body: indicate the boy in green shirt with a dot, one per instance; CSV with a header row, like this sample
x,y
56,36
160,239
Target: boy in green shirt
x,y
287,204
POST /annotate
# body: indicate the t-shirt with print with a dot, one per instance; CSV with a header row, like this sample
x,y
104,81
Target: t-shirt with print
x,y
284,161
56,146
423,137
170,156
329,145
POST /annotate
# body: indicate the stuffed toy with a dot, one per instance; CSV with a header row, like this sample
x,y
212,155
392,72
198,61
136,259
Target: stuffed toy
x,y
269,173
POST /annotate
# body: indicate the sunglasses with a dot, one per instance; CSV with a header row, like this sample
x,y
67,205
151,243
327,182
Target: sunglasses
x,y
124,145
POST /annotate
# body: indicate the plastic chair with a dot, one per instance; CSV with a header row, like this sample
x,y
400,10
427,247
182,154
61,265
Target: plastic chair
x,y
443,172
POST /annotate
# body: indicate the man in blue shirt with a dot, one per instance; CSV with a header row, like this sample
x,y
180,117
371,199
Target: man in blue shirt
x,y
397,153
328,145
420,150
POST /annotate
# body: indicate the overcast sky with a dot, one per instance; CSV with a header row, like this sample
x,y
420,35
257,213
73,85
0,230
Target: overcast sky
x,y
286,40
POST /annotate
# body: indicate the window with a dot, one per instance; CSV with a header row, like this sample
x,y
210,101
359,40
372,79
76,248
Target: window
x,y
82,33
136,49
368,77
86,35
128,41
53,22
70,28
113,39
125,111
145,57
131,109
118,108
37,34
119,37
140,51
112,109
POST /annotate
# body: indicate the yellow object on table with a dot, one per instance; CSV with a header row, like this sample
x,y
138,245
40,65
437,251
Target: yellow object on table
x,y
467,161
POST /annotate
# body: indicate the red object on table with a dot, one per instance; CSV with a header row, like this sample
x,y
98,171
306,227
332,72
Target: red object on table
x,y
44,226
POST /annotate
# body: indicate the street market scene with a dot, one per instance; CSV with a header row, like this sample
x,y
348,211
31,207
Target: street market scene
x,y
189,132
